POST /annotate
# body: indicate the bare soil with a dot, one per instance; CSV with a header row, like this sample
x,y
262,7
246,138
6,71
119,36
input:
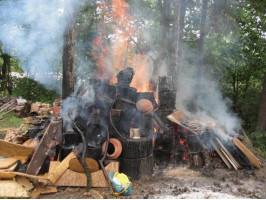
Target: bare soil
x,y
179,181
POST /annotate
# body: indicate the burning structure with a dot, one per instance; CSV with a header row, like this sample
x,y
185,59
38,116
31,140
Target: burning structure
x,y
118,116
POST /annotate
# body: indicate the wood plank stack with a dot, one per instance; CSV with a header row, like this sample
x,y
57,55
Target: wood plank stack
x,y
39,108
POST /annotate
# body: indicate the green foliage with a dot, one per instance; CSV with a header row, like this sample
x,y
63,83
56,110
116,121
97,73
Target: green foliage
x,y
2,135
11,121
258,139
32,91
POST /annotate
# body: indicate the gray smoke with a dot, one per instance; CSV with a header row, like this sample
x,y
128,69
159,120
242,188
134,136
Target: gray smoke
x,y
211,105
32,31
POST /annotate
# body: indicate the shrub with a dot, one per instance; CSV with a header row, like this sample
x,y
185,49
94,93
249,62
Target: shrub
x,y
32,91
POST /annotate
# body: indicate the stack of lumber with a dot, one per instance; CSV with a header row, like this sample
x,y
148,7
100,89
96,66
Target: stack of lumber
x,y
39,108
25,185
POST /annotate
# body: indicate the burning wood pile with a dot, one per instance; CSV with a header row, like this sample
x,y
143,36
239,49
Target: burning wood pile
x,y
200,139
106,128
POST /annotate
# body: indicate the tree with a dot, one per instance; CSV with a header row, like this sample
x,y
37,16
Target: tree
x,y
68,57
261,122
5,74
202,36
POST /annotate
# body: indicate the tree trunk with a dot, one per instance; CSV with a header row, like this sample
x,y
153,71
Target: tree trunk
x,y
165,10
181,31
179,20
202,36
68,58
5,74
261,123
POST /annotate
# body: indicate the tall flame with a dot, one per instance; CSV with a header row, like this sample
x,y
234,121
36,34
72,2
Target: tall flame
x,y
116,51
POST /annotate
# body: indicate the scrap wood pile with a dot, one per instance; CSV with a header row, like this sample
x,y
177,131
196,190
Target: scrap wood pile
x,y
202,139
32,168
8,104
22,108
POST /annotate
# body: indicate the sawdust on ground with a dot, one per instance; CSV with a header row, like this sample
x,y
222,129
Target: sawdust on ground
x,y
174,182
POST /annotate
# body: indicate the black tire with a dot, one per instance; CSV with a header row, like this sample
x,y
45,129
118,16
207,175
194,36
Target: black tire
x,y
137,168
136,148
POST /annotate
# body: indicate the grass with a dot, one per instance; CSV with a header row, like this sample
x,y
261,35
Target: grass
x,y
2,134
11,121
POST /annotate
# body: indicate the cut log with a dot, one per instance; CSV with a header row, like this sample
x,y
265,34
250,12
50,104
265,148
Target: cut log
x,y
5,163
25,183
253,159
51,137
75,179
136,148
137,168
54,175
12,189
76,166
16,151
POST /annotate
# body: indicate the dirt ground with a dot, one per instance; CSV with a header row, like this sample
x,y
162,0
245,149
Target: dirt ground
x,y
181,182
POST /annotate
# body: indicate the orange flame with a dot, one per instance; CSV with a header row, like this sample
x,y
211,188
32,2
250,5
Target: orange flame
x,y
119,53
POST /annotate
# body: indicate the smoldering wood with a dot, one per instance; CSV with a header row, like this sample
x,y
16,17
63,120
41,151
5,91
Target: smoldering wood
x,y
137,168
68,56
51,137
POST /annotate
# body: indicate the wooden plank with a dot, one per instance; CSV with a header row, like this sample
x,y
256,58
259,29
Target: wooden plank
x,y
51,137
253,159
228,158
13,167
75,179
171,118
5,163
221,155
61,168
232,159
25,183
16,151
49,189
4,174
37,191
12,189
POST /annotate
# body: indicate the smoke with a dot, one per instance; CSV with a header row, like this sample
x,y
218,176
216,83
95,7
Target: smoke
x,y
77,105
32,31
211,106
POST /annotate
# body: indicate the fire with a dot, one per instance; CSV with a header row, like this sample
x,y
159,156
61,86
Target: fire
x,y
119,52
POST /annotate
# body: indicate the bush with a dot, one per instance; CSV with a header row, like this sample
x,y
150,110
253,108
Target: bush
x,y
33,91
258,139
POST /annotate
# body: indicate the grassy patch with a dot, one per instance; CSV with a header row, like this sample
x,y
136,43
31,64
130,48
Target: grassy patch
x,y
11,121
258,139
2,134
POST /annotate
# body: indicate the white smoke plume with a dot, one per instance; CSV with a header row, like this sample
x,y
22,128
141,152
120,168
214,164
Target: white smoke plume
x,y
32,31
211,105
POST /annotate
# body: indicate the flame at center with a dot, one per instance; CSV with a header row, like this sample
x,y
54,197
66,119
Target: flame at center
x,y
115,48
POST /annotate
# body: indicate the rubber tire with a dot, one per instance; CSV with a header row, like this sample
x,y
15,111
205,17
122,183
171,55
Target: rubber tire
x,y
136,168
136,148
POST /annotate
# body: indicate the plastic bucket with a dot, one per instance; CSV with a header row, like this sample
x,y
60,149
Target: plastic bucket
x,y
120,189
